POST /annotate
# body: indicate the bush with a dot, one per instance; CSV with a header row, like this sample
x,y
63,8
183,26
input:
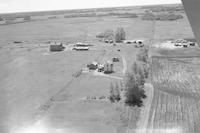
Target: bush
x,y
1,19
27,18
143,55
146,70
148,16
114,93
108,34
128,15
138,71
120,35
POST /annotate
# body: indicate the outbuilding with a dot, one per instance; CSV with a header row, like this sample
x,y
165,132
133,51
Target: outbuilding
x,y
56,47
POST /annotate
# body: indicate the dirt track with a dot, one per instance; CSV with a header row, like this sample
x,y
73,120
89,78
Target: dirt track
x,y
145,111
124,65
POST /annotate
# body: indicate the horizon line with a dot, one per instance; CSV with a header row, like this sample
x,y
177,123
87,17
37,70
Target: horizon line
x,y
35,11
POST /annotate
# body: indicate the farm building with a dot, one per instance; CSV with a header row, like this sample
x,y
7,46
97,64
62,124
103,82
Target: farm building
x,y
80,44
183,43
129,41
191,43
56,47
81,48
100,68
139,45
139,41
108,67
108,41
133,41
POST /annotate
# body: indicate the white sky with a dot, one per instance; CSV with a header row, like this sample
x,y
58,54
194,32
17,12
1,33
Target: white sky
x,y
40,5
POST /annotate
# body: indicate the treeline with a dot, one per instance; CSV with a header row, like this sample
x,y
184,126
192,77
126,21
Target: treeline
x,y
161,17
134,82
96,14
136,79
164,8
116,36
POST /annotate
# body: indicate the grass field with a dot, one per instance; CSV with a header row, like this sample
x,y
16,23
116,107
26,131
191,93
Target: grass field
x,y
31,75
40,86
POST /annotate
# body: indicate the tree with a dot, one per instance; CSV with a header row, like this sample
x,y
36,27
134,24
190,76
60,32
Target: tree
x,y
111,92
133,93
139,73
143,55
148,16
120,35
134,85
117,92
114,92
108,34
1,19
27,17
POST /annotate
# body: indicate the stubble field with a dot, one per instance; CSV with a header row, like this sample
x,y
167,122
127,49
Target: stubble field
x,y
175,106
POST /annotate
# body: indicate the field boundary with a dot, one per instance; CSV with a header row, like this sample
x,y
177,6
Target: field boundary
x,y
175,57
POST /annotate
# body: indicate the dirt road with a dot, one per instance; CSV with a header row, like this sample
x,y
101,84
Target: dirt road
x,y
96,73
124,65
145,110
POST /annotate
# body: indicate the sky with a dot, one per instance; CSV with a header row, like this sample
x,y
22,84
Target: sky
x,y
7,6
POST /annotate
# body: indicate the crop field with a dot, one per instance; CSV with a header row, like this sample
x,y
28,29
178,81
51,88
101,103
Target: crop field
x,y
176,102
